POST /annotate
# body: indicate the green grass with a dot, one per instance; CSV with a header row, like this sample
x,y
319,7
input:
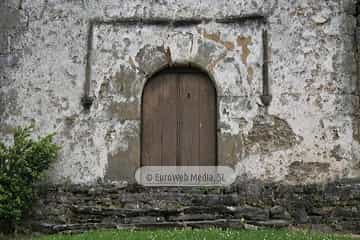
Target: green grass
x,y
187,234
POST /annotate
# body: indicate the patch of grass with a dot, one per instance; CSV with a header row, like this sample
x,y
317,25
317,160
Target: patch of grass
x,y
197,234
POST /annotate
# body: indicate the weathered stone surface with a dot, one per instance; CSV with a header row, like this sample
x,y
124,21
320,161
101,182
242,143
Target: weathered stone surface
x,y
278,212
77,207
193,217
251,213
300,171
269,133
4,43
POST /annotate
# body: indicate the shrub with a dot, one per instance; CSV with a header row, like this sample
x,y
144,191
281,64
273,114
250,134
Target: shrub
x,y
21,165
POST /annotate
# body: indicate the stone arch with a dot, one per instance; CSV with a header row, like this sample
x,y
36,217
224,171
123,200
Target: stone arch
x,y
190,65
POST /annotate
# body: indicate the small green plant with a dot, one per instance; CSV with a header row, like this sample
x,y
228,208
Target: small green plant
x,y
21,165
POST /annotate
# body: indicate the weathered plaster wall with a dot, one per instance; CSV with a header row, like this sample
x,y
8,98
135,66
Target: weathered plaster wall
x,y
308,133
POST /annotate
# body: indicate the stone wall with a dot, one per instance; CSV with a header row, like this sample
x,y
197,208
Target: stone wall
x,y
77,68
74,208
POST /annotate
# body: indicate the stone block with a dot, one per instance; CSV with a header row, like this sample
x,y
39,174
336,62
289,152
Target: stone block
x,y
278,212
4,47
273,223
251,213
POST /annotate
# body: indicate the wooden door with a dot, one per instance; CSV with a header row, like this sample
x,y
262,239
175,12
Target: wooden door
x,y
179,119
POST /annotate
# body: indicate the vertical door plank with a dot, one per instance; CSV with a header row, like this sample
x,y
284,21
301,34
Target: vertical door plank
x,y
207,122
168,120
159,121
147,108
189,119
151,147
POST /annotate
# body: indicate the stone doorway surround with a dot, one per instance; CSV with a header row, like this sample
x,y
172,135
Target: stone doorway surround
x,y
125,53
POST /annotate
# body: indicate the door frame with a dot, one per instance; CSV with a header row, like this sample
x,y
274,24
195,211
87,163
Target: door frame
x,y
182,69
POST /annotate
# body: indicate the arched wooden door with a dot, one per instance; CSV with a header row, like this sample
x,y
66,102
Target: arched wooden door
x,y
179,119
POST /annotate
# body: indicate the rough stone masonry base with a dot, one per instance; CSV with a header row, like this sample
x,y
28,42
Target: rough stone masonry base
x,y
74,208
